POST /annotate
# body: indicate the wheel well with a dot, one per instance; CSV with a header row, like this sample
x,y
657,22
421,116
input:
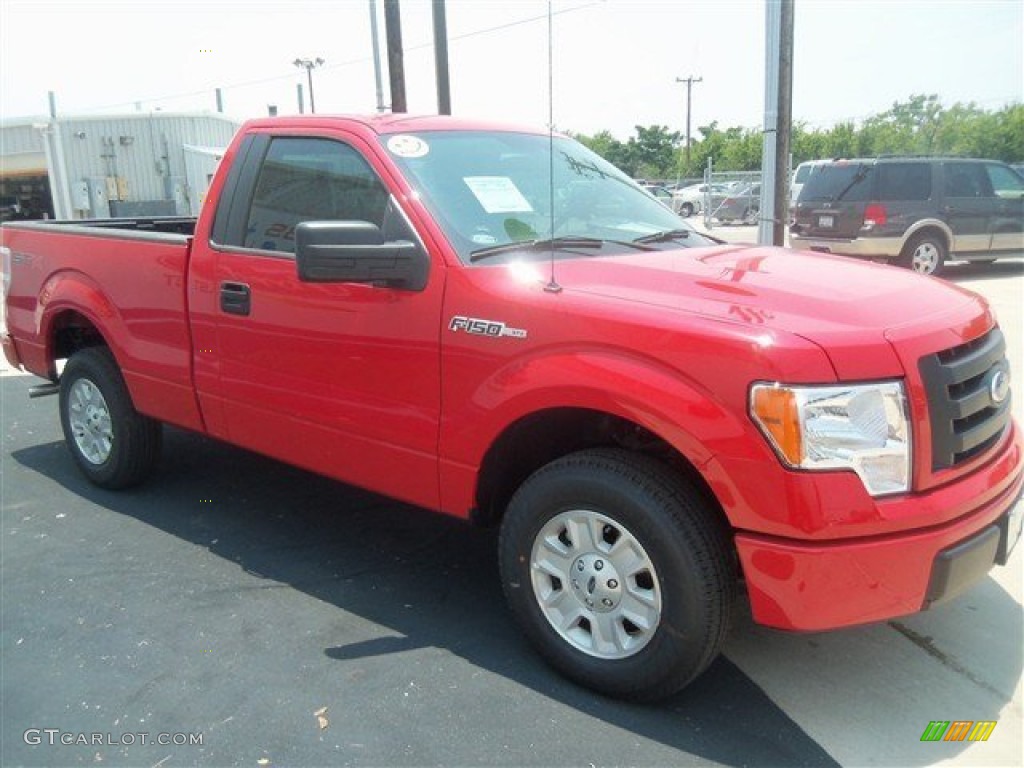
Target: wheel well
x,y
72,331
540,438
931,230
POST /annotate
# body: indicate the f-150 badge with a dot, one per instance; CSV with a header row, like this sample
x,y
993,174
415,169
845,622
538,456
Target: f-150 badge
x,y
479,327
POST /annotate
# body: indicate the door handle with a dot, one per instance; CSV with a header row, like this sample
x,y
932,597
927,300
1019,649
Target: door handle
x,y
235,298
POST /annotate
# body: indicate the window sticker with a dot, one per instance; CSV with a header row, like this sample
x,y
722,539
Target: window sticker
x,y
404,145
498,194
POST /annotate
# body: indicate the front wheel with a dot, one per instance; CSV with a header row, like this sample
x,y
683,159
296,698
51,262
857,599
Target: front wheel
x,y
113,444
618,572
686,209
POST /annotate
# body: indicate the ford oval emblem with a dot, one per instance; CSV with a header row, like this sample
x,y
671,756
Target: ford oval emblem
x,y
999,386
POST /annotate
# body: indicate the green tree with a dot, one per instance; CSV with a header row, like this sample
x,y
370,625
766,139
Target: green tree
x,y
920,125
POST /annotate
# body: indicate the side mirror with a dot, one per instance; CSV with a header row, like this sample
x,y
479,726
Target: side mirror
x,y
355,252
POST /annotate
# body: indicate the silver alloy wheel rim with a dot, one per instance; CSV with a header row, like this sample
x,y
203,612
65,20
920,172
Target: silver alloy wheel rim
x,y
595,584
89,418
925,258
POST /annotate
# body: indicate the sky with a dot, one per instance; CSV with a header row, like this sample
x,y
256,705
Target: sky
x,y
615,62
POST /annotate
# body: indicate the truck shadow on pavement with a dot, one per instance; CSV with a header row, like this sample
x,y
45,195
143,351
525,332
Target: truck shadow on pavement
x,y
428,581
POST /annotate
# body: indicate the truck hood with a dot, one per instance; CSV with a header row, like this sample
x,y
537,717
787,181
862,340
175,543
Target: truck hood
x,y
845,306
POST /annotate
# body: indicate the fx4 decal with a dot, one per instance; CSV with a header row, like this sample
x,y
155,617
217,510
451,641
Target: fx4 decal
x,y
478,327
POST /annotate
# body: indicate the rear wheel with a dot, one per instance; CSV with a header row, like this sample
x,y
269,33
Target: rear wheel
x,y
925,254
113,444
686,209
618,572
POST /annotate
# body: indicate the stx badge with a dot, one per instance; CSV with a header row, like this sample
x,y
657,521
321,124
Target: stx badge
x,y
479,327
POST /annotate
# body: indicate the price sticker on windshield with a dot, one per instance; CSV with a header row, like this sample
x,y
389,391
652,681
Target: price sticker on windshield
x,y
498,194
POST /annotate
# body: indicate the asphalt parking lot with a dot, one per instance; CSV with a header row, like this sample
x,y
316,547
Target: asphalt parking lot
x,y
285,619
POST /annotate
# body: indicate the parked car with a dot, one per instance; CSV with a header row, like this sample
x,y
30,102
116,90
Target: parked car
x,y
661,194
739,205
690,199
916,212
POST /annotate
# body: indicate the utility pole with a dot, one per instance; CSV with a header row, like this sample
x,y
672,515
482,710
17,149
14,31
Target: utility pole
x,y
689,87
396,61
444,98
375,44
778,120
309,65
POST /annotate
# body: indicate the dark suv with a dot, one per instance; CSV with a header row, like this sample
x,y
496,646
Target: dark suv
x,y
917,212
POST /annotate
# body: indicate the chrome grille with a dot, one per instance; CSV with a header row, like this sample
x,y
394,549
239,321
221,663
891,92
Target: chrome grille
x,y
964,386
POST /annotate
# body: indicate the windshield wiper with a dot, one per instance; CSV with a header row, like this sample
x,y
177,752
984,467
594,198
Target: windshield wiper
x,y
675,234
664,236
564,242
857,177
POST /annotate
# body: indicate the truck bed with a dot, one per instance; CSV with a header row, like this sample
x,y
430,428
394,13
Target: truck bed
x,y
127,276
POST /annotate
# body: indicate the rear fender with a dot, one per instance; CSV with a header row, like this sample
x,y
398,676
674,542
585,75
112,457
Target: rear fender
x,y
70,290
923,224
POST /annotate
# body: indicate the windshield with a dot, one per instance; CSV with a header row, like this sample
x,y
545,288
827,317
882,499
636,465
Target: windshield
x,y
488,189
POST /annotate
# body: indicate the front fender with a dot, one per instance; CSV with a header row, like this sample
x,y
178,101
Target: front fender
x,y
678,409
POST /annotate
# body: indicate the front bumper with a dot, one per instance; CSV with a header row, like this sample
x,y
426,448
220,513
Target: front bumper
x,y
825,585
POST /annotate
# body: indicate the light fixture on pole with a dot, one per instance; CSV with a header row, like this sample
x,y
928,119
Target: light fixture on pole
x,y
309,65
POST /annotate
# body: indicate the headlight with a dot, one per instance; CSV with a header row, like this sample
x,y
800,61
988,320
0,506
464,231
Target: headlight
x,y
862,427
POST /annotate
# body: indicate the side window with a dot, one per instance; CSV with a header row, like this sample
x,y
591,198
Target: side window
x,y
904,181
1004,181
305,179
967,180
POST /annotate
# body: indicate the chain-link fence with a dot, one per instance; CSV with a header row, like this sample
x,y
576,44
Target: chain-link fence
x,y
731,197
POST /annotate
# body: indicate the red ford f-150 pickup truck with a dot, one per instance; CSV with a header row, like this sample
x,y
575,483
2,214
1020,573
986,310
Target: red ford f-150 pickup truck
x,y
497,324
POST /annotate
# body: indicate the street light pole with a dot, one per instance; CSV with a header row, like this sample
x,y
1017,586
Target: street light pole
x,y
689,87
309,65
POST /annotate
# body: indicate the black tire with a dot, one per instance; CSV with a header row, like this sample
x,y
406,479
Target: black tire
x,y
666,525
686,209
924,253
113,444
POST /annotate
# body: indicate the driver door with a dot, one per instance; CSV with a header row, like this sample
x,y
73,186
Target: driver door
x,y
340,378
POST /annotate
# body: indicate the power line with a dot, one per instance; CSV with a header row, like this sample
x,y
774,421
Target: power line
x,y
340,65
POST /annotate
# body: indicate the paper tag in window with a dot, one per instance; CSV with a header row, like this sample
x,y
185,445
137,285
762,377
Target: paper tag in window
x,y
498,194
404,145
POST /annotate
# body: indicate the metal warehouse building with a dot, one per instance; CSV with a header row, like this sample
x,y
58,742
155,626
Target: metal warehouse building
x,y
110,166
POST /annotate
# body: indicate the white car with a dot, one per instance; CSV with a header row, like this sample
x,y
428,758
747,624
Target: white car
x,y
690,200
